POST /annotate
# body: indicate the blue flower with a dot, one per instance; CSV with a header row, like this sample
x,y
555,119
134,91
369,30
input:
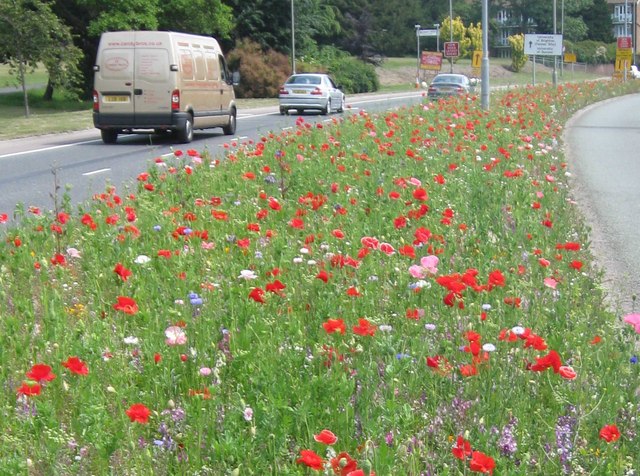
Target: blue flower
x,y
634,359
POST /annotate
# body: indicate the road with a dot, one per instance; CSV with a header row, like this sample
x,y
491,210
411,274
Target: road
x,y
85,165
602,144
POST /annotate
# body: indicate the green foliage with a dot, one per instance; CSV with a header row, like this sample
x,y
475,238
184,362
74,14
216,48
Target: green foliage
x,y
261,72
354,75
592,52
518,58
30,33
202,17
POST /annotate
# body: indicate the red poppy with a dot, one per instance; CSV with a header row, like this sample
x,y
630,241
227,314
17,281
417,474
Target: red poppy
x,y
468,370
552,359
462,448
29,389
387,248
257,294
567,372
126,304
334,325
364,328
343,464
326,437
121,271
609,433
138,412
323,276
41,373
311,459
275,287
76,366
481,463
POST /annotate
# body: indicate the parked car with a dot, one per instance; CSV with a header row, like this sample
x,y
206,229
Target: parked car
x,y
311,91
449,84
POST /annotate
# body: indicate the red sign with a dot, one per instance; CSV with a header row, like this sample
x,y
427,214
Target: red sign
x,y
430,60
451,49
624,42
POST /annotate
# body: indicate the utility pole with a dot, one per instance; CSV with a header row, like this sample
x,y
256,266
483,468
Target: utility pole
x,y
293,40
451,30
554,75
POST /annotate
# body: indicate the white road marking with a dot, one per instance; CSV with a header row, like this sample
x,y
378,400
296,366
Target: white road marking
x,y
95,172
44,149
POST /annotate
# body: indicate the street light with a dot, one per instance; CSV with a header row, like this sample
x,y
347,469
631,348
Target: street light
x,y
437,27
554,75
293,40
484,75
417,27
451,29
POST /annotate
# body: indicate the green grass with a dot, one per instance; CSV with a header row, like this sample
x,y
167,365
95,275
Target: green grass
x,y
403,279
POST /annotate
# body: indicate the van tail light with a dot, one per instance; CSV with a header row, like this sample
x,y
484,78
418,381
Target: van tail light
x,y
283,91
96,101
175,100
317,92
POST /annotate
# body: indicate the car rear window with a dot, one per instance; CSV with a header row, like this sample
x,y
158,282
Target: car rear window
x,y
304,80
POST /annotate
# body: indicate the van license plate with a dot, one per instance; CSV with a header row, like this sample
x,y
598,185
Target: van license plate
x,y
115,99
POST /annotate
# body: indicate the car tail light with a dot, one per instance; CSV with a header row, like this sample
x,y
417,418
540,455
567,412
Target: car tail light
x,y
96,101
175,100
432,89
283,91
317,92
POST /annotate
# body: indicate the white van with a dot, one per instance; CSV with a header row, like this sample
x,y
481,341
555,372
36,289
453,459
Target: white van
x,y
159,81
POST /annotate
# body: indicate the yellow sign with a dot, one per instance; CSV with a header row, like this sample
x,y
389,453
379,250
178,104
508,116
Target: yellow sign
x,y
622,64
569,58
477,58
624,53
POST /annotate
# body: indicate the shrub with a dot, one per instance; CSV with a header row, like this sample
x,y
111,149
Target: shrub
x,y
354,75
261,72
518,58
592,52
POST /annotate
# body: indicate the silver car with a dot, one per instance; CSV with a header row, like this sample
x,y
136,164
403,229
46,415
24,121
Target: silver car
x,y
311,91
449,84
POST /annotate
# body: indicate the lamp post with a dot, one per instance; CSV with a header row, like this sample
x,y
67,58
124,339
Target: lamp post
x,y
293,40
437,26
554,75
484,74
417,27
451,30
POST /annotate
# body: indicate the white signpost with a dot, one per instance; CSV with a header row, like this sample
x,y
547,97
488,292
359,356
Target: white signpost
x,y
542,45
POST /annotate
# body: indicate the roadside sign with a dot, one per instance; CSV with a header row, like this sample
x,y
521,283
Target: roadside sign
x,y
624,42
476,59
570,58
430,60
427,32
624,54
543,45
451,49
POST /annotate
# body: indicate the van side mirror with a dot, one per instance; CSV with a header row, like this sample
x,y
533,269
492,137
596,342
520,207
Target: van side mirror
x,y
235,78
173,67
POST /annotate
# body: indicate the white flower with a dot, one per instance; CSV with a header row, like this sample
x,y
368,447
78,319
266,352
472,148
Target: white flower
x,y
142,259
518,330
385,328
248,414
175,336
131,340
486,307
489,347
73,253
297,260
247,274
205,371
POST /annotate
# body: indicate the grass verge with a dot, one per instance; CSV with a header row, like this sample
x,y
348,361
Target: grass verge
x,y
399,293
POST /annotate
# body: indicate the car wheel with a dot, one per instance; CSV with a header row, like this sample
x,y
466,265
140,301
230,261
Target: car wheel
x,y
109,136
327,108
283,111
341,105
185,134
230,128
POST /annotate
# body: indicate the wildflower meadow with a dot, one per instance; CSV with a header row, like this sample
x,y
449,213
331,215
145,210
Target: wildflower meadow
x,y
400,293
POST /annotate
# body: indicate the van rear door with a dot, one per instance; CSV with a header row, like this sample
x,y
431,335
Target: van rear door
x,y
135,84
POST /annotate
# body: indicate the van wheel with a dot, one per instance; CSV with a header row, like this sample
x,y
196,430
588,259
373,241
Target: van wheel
x,y
109,136
230,128
185,135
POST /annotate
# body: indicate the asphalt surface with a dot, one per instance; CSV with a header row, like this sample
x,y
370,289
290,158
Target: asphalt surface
x,y
602,144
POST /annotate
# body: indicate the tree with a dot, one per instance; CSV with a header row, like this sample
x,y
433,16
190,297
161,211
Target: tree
x,y
597,18
30,33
